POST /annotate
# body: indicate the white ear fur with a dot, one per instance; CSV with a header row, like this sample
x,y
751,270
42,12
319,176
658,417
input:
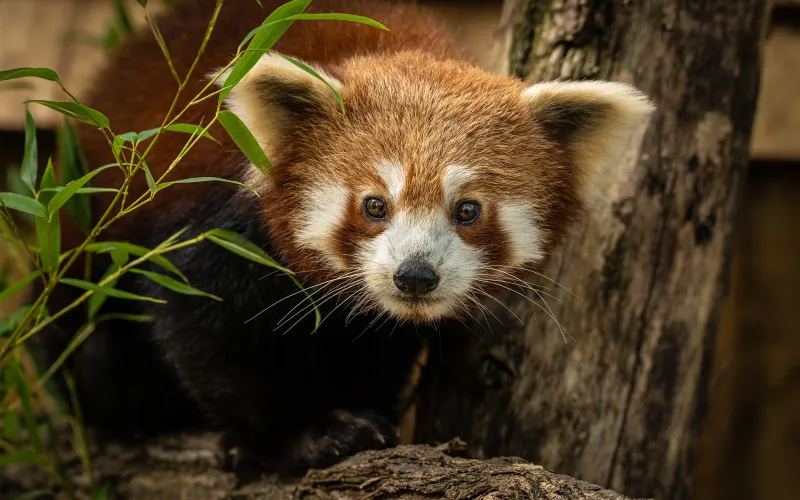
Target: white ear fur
x,y
274,95
594,120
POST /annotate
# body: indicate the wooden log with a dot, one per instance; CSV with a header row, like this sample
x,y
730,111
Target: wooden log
x,y
621,405
193,466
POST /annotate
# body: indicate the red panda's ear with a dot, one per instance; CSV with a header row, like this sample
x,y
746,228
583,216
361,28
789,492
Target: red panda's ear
x,y
277,95
592,120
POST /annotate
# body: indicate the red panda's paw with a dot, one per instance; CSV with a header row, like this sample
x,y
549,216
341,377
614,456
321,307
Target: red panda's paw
x,y
343,434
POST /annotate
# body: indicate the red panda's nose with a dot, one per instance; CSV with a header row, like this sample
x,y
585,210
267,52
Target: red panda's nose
x,y
415,277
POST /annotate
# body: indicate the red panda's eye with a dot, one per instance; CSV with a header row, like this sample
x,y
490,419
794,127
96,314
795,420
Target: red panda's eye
x,y
375,208
467,212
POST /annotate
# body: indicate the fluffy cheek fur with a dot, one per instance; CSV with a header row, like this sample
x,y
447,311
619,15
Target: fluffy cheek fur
x,y
364,255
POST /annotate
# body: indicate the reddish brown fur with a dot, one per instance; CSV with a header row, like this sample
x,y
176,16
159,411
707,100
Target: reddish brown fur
x,y
473,119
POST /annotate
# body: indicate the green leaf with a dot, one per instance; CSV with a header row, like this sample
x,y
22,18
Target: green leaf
x,y
262,41
48,232
76,111
119,256
14,181
112,292
123,19
27,408
174,285
14,320
11,425
244,139
61,197
88,190
151,183
101,492
97,300
314,17
189,128
316,75
337,17
143,3
159,260
19,285
240,245
73,166
19,457
30,158
139,318
16,201
43,73
33,495
192,180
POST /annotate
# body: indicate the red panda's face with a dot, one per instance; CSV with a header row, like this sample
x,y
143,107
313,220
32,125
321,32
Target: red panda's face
x,y
437,184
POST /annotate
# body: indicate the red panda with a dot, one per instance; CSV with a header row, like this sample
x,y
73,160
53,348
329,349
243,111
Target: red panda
x,y
397,213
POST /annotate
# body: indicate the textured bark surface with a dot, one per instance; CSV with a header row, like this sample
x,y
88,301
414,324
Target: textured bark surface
x,y
622,404
192,467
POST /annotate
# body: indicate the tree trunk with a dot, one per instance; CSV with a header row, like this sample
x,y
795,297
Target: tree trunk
x,y
622,404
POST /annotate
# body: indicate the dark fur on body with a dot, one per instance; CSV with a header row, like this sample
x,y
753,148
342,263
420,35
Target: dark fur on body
x,y
296,400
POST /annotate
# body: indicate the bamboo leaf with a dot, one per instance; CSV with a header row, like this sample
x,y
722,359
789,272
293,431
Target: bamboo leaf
x,y
43,73
33,495
112,292
262,41
48,232
73,167
192,180
151,183
159,260
244,139
187,128
243,247
97,300
11,425
21,203
30,159
89,190
76,111
337,17
27,408
316,75
19,285
19,457
62,196
174,285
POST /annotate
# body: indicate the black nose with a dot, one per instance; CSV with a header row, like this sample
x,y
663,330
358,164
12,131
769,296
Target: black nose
x,y
417,277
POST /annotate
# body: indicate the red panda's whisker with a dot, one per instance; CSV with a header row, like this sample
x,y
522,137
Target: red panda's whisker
x,y
552,315
307,309
526,269
502,284
484,293
326,283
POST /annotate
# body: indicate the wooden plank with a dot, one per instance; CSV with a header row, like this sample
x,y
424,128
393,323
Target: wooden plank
x,y
54,34
776,133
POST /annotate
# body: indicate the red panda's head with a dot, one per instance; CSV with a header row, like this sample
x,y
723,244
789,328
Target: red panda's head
x,y
438,180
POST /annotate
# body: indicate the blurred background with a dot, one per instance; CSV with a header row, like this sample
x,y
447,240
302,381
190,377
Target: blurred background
x,y
751,444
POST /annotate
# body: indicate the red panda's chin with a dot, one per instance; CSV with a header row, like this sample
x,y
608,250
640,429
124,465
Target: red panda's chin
x,y
418,310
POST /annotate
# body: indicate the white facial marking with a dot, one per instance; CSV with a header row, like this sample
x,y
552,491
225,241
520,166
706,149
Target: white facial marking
x,y
324,210
393,176
429,237
519,222
455,176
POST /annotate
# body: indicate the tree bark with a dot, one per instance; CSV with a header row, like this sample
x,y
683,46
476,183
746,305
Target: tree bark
x,y
622,404
192,467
